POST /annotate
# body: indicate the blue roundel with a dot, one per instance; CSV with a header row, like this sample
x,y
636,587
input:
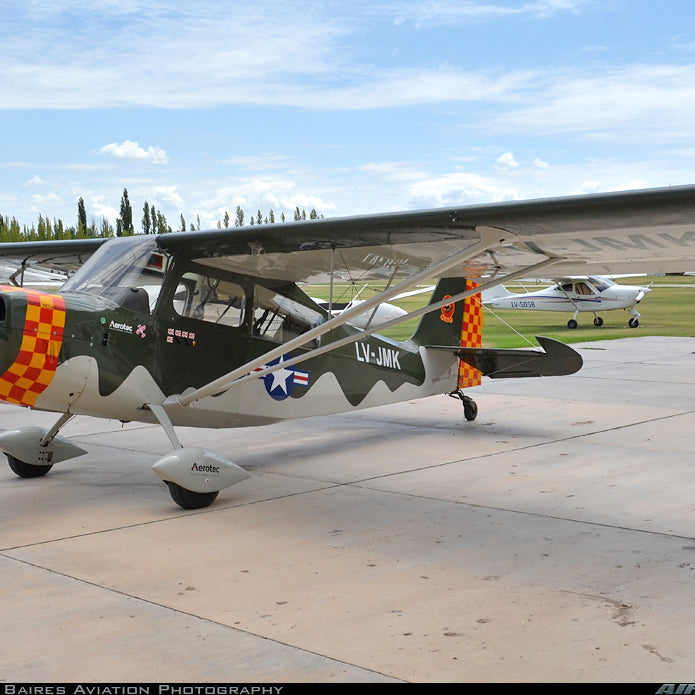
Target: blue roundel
x,y
280,383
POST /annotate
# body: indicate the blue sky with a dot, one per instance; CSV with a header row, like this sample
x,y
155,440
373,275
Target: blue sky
x,y
346,107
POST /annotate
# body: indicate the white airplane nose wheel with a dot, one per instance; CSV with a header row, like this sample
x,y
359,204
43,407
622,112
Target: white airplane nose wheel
x,y
598,321
633,323
189,499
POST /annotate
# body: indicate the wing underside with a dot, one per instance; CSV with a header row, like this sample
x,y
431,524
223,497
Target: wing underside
x,y
641,231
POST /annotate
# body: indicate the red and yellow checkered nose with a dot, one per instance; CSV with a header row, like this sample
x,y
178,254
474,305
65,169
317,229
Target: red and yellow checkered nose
x,y
37,359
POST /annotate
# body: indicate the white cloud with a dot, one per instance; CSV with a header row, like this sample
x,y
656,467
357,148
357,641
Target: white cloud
x,y
169,195
507,161
393,171
35,180
625,104
540,164
107,212
454,189
132,151
444,13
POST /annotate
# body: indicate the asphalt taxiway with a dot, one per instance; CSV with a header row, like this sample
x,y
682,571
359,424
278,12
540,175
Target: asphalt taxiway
x,y
551,540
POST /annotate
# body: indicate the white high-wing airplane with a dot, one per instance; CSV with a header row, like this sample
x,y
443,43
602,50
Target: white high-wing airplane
x,y
592,293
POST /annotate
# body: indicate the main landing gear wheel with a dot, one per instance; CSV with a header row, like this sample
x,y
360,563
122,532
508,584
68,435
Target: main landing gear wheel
x,y
470,407
26,470
189,499
633,323
572,323
598,322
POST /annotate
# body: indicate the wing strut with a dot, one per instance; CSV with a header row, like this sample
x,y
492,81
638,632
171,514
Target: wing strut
x,y
246,371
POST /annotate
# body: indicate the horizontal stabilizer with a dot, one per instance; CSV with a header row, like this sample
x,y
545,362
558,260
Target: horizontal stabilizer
x,y
557,359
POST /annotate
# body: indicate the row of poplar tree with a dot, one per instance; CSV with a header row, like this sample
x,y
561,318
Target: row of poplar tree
x,y
152,222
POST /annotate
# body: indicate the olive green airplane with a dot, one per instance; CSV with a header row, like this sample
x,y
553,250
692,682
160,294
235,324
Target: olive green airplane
x,y
214,329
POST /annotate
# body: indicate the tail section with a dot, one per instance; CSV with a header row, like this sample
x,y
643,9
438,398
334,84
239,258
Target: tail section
x,y
496,292
458,325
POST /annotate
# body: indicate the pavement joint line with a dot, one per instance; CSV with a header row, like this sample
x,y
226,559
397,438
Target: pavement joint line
x,y
178,611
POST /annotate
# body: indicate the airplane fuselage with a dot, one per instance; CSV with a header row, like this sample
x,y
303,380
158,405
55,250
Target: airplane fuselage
x,y
554,299
110,351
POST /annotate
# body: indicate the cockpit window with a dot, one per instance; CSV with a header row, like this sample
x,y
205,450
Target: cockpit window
x,y
210,299
583,288
128,271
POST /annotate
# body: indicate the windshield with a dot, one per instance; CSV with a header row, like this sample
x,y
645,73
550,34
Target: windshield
x,y
128,271
601,283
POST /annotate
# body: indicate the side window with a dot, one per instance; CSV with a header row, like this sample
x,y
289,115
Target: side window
x,y
210,299
279,318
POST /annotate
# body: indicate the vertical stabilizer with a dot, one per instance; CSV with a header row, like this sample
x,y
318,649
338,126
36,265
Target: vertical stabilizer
x,y
459,325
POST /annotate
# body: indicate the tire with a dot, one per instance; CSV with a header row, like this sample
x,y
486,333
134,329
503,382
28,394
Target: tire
x,y
598,322
633,323
26,470
470,410
572,324
187,499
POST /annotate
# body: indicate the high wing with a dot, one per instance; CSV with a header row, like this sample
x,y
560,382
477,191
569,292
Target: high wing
x,y
640,231
650,230
64,257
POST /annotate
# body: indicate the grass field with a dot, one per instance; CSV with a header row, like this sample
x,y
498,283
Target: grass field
x,y
669,309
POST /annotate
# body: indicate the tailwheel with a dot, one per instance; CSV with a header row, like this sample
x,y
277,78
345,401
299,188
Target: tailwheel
x,y
189,499
470,407
26,470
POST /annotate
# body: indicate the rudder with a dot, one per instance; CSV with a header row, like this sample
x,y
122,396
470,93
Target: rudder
x,y
459,324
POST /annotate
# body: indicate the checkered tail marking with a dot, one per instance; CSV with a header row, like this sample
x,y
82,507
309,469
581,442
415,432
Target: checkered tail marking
x,y
471,336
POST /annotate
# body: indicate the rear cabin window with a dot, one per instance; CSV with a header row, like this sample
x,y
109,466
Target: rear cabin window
x,y
278,318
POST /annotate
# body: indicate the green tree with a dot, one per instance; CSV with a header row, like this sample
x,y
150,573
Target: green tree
x,y
81,218
183,223
226,219
146,219
239,218
126,216
106,228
